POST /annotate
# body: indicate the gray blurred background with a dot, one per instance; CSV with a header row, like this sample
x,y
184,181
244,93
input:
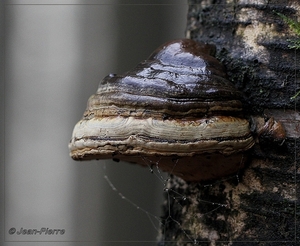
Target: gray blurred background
x,y
53,55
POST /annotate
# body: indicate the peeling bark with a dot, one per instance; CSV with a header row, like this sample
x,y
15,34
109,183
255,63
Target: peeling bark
x,y
260,205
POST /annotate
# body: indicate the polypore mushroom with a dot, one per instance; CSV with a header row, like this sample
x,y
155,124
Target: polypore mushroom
x,y
176,109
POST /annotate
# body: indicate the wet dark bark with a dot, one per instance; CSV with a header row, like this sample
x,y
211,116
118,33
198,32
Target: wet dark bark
x,y
260,204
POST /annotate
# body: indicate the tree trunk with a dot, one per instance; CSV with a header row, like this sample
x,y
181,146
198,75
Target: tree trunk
x,y
259,205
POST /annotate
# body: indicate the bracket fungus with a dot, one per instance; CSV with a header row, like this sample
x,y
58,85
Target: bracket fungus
x,y
175,110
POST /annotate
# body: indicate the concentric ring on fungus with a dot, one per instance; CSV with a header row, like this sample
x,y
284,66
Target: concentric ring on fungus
x,y
176,108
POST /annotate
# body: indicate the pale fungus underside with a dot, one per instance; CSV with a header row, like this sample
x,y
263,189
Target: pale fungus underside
x,y
176,109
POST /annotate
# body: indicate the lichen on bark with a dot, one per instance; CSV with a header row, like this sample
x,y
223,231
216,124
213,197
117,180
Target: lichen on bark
x,y
252,42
